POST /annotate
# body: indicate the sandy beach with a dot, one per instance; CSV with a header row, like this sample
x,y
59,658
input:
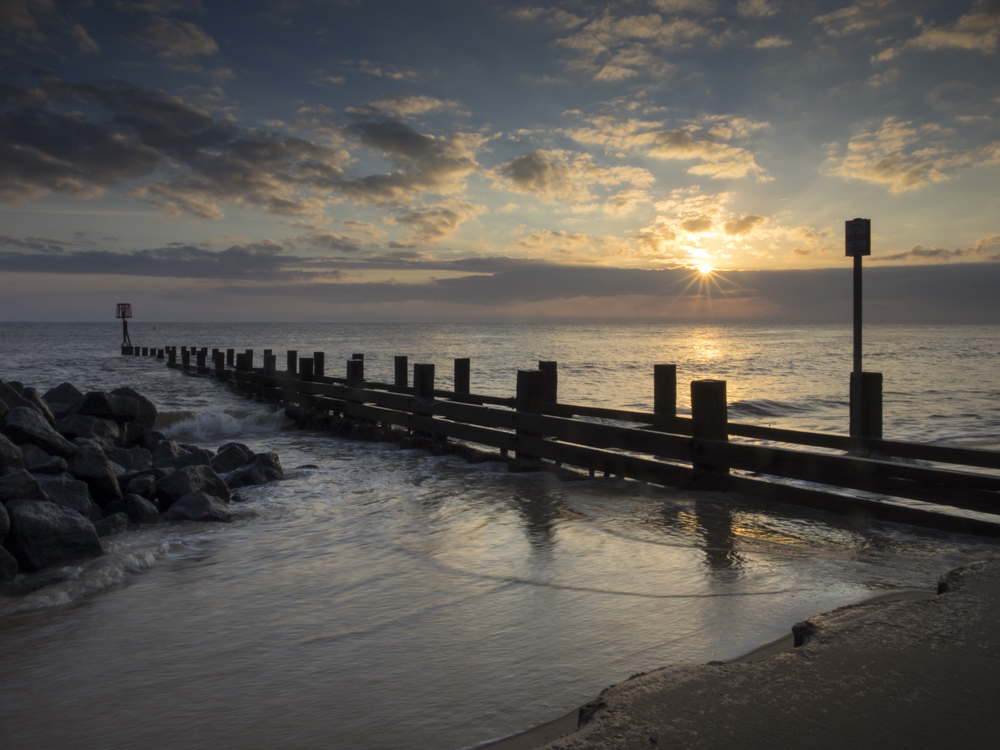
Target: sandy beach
x,y
920,672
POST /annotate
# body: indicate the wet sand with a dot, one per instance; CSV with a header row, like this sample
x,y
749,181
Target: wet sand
x,y
913,670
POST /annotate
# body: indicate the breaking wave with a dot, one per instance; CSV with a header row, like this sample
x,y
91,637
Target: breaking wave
x,y
215,424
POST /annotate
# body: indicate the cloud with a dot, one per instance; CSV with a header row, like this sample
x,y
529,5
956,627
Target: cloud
x,y
918,253
405,105
905,156
717,160
973,32
624,202
35,244
176,40
755,8
772,42
562,176
438,223
387,71
554,16
852,19
159,7
743,225
84,42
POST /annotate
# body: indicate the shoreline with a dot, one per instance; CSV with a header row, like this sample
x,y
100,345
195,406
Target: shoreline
x,y
571,722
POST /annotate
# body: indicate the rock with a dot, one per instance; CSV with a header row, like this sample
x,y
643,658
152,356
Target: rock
x,y
132,434
8,565
133,459
197,457
24,425
66,393
103,405
21,485
146,416
103,443
162,449
30,394
140,510
4,522
198,506
144,485
84,426
65,490
43,534
4,409
260,469
13,399
116,523
152,436
11,456
17,385
92,466
190,479
38,461
230,457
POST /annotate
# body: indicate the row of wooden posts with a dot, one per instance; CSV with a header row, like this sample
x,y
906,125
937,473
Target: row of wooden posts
x,y
694,452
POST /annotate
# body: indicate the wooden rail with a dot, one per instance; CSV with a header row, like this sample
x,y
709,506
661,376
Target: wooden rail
x,y
691,452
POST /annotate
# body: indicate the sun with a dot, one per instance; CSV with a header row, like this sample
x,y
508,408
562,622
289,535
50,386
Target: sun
x,y
704,268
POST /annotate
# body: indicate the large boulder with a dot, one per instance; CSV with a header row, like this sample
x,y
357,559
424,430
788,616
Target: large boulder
x,y
8,565
91,465
32,396
143,485
198,506
25,425
171,488
65,490
104,405
21,485
88,427
38,461
17,385
140,510
66,393
230,457
43,534
11,456
133,459
260,469
116,523
196,457
146,415
14,399
162,449
132,434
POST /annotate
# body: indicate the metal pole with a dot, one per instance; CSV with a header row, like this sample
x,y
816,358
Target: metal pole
x,y
857,315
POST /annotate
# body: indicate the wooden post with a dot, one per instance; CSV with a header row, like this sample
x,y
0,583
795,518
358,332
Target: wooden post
x,y
159,354
268,352
402,371
529,398
462,373
136,352
241,362
866,392
200,359
270,365
185,357
249,354
665,390
357,356
145,351
355,373
293,360
319,364
220,363
230,357
172,356
306,369
550,387
709,416
423,381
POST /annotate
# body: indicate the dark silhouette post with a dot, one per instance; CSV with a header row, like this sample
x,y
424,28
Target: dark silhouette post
x,y
550,383
462,375
665,390
124,311
709,417
401,364
866,387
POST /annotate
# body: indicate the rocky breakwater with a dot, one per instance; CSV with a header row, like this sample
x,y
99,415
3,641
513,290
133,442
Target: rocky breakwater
x,y
76,467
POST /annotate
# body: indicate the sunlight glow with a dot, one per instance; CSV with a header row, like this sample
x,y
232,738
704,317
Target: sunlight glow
x,y
704,268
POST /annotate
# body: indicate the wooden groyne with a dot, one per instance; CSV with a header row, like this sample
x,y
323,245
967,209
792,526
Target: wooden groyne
x,y
705,451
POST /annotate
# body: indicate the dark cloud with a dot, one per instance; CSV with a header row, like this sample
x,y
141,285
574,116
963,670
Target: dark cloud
x,y
919,253
176,40
37,244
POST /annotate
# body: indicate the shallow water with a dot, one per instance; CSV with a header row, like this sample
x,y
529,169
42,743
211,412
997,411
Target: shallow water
x,y
389,598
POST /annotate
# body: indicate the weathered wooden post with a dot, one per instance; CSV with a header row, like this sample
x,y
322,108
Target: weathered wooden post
x,y
402,375
249,353
230,357
866,417
219,358
709,418
530,397
550,383
270,365
172,356
135,351
306,369
293,360
185,357
319,364
241,363
358,356
665,390
355,373
145,351
200,360
159,353
268,352
423,392
462,375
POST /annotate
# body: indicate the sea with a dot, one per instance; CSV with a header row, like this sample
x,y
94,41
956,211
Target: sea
x,y
384,597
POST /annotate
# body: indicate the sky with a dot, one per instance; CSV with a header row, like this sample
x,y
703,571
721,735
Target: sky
x,y
662,160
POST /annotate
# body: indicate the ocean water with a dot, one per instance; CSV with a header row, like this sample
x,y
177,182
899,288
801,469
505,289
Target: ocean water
x,y
382,597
